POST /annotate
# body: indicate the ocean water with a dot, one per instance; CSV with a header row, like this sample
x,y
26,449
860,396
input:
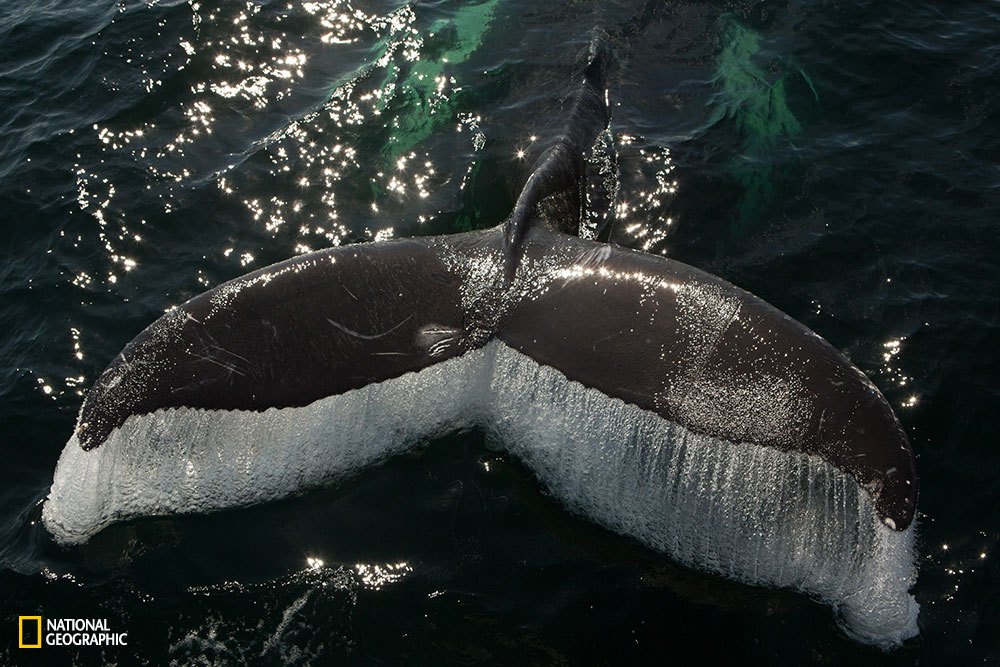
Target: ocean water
x,y
840,160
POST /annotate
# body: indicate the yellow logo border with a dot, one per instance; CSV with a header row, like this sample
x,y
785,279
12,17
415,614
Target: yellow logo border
x,y
20,631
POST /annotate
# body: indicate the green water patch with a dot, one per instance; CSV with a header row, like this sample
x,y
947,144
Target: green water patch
x,y
420,92
753,100
423,102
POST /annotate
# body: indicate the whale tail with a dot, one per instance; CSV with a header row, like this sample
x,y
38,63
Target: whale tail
x,y
659,401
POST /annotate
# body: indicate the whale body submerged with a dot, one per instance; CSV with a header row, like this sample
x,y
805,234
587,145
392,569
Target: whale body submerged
x,y
653,398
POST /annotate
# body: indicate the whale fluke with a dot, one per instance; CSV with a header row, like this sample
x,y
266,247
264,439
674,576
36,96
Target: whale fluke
x,y
655,399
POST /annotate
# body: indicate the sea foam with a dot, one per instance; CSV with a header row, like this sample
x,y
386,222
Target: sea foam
x,y
754,514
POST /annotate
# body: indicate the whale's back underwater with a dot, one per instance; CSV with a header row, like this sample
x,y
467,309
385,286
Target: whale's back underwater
x,y
653,398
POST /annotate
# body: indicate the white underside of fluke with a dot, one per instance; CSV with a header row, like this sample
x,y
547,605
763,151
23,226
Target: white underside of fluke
x,y
750,513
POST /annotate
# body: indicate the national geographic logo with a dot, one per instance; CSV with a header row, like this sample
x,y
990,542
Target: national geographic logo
x,y
67,632
29,632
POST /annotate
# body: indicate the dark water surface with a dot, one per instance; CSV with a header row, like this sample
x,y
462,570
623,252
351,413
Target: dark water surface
x,y
840,160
